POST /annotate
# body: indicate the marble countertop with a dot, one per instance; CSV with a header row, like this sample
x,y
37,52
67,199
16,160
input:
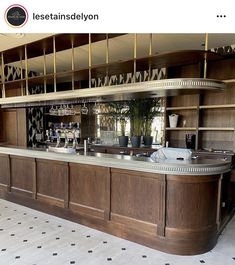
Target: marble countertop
x,y
144,164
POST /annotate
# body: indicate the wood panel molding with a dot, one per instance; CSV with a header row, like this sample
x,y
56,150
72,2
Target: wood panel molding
x,y
90,188
162,209
176,214
21,191
52,179
134,224
50,200
22,170
5,172
83,209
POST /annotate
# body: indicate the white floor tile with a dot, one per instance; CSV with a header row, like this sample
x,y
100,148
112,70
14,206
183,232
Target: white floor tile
x,y
29,237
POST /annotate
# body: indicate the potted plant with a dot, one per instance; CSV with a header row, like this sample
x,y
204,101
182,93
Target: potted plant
x,y
151,110
136,114
123,139
120,113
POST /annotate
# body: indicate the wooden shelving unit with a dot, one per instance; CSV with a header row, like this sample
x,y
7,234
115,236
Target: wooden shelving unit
x,y
182,108
80,77
224,106
216,128
210,116
181,129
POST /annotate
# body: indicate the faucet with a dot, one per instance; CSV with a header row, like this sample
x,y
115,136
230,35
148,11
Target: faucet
x,y
75,143
57,139
66,139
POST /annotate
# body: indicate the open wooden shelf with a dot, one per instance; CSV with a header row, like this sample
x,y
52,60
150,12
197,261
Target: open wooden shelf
x,y
217,106
181,128
121,67
216,128
63,42
182,108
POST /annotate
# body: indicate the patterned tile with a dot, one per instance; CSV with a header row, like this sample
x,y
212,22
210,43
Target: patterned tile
x,y
29,237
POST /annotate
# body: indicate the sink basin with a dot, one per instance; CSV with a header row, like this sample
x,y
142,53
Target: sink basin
x,y
63,150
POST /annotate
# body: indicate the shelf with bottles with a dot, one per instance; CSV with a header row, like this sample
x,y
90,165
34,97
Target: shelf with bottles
x,y
62,130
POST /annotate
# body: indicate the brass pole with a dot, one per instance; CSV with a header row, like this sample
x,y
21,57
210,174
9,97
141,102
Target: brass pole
x,y
72,65
54,57
107,59
135,54
150,53
44,70
3,77
26,70
89,59
21,75
205,59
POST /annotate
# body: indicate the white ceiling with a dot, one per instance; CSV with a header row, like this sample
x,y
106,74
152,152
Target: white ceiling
x,y
11,40
120,48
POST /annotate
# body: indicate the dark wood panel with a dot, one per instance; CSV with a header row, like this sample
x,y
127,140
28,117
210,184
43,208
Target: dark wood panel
x,y
135,224
176,214
196,194
14,127
51,179
21,127
183,101
1,126
224,69
10,127
89,189
136,195
22,172
193,71
4,169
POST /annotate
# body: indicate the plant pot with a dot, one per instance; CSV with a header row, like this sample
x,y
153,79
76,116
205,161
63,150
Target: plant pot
x,y
148,140
123,141
136,141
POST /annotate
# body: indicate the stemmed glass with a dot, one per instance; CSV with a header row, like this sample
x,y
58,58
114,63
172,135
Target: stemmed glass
x,y
95,109
84,109
52,110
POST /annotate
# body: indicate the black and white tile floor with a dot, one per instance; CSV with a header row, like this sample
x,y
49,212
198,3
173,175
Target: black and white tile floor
x,y
29,237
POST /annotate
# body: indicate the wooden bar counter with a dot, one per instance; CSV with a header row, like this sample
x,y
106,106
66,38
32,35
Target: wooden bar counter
x,y
170,206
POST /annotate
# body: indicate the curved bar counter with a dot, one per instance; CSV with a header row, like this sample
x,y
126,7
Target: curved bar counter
x,y
172,206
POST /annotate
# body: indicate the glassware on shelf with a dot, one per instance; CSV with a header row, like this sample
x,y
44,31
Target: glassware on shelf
x,y
52,110
68,110
95,109
72,110
65,110
84,109
60,111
